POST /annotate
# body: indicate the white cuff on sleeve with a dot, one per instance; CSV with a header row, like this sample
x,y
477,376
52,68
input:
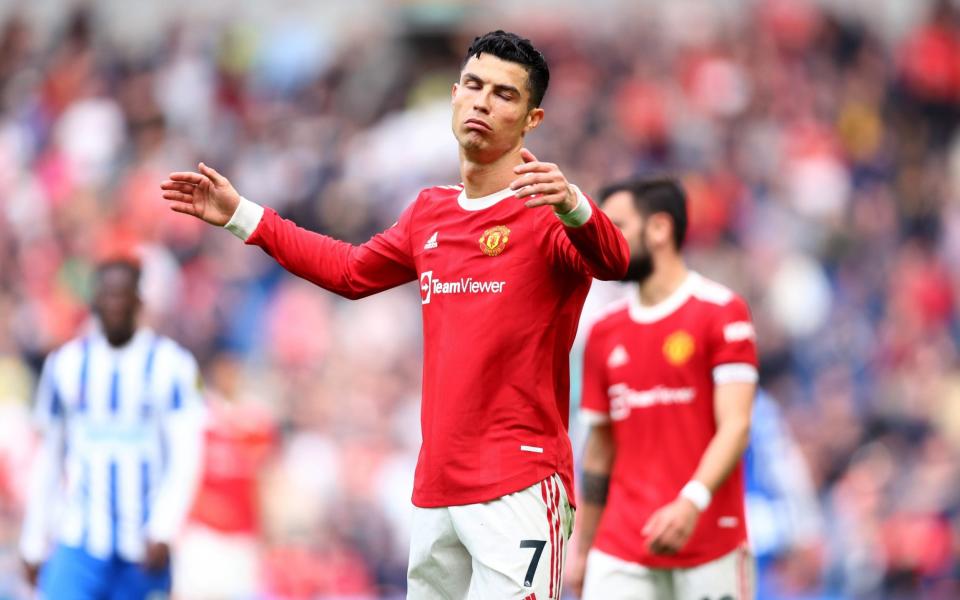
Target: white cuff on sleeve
x,y
245,219
593,417
581,212
697,493
735,373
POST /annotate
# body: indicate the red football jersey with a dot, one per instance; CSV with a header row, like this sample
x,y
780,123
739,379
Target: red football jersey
x,y
651,371
238,441
502,287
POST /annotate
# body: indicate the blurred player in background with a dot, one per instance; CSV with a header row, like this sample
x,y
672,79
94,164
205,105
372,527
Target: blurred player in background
x,y
783,516
669,379
502,286
121,417
218,557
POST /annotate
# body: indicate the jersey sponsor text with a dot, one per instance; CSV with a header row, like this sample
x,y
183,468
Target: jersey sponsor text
x,y
430,286
622,398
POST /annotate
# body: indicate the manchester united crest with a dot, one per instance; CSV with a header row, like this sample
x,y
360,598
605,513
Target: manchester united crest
x,y
494,240
678,347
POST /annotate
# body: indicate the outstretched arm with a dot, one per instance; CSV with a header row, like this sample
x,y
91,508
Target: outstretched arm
x,y
590,243
350,271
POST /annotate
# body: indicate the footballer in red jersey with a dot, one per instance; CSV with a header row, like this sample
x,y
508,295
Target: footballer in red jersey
x,y
502,283
219,553
669,378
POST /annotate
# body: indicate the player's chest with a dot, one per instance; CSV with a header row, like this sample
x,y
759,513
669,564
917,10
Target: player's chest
x,y
109,396
473,244
654,351
656,366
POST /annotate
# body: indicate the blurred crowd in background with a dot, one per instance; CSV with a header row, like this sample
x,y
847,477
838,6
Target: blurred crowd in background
x,y
818,142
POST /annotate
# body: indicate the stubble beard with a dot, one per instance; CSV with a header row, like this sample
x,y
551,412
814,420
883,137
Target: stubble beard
x,y
640,266
639,269
477,148
471,143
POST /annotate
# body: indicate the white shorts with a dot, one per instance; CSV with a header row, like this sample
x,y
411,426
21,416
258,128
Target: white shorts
x,y
508,548
730,577
211,565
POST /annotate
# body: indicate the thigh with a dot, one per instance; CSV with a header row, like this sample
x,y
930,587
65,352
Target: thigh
x,y
72,574
611,578
730,577
132,582
439,567
517,542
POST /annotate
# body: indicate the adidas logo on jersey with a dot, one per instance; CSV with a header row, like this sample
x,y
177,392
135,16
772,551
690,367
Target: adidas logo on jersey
x,y
432,242
618,358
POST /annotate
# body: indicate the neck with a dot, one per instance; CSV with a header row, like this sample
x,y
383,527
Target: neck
x,y
118,339
482,178
668,275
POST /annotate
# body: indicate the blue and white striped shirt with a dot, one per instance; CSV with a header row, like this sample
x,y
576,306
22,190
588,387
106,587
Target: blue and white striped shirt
x,y
122,437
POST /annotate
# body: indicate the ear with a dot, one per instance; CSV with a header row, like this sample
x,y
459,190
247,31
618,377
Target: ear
x,y
534,118
453,91
660,229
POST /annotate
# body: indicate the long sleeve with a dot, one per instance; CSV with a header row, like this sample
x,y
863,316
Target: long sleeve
x,y
383,262
594,401
47,470
593,247
183,428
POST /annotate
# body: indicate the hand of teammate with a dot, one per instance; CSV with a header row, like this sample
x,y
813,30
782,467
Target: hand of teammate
x,y
574,573
156,556
31,573
668,529
545,181
206,195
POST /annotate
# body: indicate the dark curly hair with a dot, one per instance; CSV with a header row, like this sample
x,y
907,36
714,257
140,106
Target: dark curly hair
x,y
511,47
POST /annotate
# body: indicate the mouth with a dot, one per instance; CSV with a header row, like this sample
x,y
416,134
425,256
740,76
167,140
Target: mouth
x,y
477,125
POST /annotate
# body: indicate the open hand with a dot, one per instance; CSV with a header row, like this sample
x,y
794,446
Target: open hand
x,y
668,529
545,181
206,195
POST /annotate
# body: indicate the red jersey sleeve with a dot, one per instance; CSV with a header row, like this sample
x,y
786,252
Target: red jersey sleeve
x,y
733,345
594,403
383,262
596,249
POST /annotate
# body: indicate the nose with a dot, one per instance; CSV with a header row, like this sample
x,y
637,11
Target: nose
x,y
481,102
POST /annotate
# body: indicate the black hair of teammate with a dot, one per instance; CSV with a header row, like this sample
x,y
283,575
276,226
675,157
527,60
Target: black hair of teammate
x,y
657,195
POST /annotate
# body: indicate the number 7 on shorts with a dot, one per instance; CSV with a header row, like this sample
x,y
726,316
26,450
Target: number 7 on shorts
x,y
535,561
